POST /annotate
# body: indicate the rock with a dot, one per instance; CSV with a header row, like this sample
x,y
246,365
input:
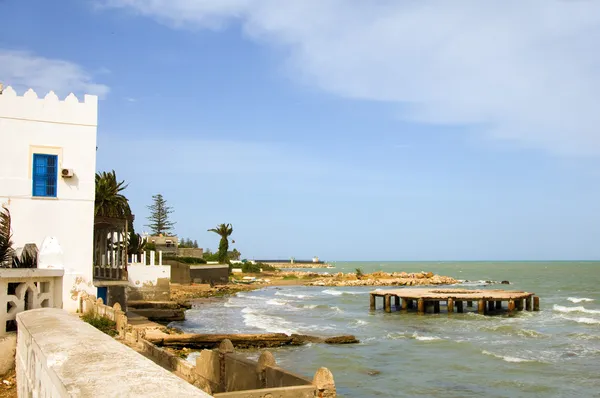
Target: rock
x,y
505,282
348,339
373,372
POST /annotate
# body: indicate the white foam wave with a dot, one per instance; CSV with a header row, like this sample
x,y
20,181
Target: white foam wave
x,y
358,322
425,338
244,295
506,357
269,323
276,302
340,292
580,308
300,296
587,321
580,300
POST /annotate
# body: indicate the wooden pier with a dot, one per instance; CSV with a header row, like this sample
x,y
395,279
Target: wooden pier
x,y
428,300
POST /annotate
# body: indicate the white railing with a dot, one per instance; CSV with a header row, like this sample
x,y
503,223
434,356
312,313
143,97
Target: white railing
x,y
135,259
23,289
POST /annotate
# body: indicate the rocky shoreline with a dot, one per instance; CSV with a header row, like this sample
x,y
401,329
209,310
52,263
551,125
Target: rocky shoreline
x,y
300,265
384,279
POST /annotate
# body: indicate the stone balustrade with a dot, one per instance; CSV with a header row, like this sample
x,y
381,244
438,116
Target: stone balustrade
x,y
24,289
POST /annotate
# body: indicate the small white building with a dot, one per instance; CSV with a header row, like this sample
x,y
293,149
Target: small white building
x,y
47,179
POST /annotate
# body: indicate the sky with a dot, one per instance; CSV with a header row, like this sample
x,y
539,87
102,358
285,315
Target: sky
x,y
344,129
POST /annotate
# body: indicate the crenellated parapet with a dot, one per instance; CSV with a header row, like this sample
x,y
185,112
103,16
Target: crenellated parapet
x,y
50,108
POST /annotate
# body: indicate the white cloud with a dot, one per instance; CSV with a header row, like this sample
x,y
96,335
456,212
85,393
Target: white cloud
x,y
23,70
528,72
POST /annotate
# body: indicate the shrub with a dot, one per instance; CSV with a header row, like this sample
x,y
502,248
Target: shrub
x,y
104,325
359,273
189,260
248,267
289,277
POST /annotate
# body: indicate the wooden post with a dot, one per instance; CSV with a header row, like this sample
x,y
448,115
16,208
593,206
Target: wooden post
x,y
481,307
498,305
450,305
420,306
470,304
519,304
405,305
536,303
511,306
491,306
397,303
372,302
436,307
459,307
528,304
387,303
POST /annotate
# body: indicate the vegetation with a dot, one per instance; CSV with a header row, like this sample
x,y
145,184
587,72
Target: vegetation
x,y
224,231
255,268
110,202
28,257
359,273
188,260
6,250
104,325
136,245
188,244
159,216
289,277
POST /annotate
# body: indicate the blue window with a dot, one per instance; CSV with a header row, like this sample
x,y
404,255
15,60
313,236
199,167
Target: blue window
x,y
45,175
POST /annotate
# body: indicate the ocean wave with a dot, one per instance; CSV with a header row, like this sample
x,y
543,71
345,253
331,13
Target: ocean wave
x,y
341,292
276,302
269,323
580,308
580,300
426,338
300,296
245,295
357,323
506,357
584,320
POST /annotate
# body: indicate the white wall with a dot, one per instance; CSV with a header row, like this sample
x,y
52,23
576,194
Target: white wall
x,y
147,275
28,125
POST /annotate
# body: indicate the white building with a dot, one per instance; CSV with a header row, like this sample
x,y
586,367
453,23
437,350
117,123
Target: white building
x,y
39,139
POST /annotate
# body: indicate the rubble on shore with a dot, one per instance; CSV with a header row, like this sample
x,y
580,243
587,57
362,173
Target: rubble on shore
x,y
383,279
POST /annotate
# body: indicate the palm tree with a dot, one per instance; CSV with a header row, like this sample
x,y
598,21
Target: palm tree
x,y
6,250
110,202
223,230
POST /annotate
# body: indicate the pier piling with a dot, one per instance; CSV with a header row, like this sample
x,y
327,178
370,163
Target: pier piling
x,y
481,306
429,300
420,306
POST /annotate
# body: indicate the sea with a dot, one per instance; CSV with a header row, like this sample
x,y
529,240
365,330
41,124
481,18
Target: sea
x,y
551,353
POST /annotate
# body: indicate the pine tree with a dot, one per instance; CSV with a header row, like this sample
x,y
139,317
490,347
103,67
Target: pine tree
x,y
195,244
159,222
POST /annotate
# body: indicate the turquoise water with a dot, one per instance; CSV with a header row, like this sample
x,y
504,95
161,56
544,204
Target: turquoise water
x,y
551,353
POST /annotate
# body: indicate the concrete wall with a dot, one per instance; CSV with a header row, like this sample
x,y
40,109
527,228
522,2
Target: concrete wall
x,y
149,282
232,375
190,252
180,272
210,273
29,125
58,355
